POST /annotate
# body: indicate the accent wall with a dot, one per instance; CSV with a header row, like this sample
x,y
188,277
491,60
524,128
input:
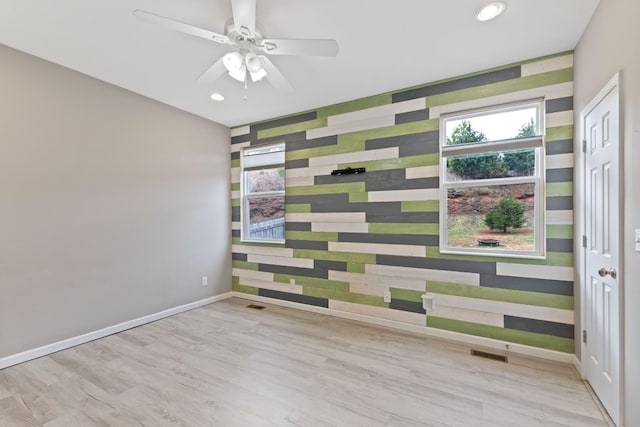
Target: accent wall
x,y
351,238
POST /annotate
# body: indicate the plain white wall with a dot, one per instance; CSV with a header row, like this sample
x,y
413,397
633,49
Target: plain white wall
x,y
112,206
611,44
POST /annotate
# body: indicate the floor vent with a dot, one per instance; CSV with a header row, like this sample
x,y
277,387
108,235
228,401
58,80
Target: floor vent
x,y
256,307
486,355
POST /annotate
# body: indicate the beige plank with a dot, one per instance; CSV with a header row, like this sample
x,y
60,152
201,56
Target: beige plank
x,y
506,308
378,248
461,278
340,227
327,217
546,65
358,156
561,118
389,110
285,262
262,250
404,195
274,286
264,276
468,315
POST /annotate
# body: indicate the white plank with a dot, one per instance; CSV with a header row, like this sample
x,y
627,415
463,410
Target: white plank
x,y
235,175
239,146
379,312
466,315
302,181
262,250
534,271
242,130
404,195
423,172
235,225
561,118
559,161
559,217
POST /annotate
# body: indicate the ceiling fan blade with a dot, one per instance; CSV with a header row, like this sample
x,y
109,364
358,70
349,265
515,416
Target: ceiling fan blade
x,y
214,72
244,16
275,77
180,26
310,47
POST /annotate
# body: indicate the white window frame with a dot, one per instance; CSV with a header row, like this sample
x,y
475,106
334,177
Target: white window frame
x,y
538,179
248,162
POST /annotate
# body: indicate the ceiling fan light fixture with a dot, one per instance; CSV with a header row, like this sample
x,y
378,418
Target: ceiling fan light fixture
x,y
233,61
491,11
258,75
254,63
239,74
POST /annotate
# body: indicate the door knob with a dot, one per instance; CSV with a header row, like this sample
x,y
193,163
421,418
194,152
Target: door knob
x,y
611,272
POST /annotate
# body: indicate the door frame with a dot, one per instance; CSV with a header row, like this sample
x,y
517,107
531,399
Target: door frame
x,y
580,228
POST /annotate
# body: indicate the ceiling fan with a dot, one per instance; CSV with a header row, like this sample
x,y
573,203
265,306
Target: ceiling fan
x,y
248,59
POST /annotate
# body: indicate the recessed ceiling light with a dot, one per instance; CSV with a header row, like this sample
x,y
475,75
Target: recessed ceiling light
x,y
217,96
490,11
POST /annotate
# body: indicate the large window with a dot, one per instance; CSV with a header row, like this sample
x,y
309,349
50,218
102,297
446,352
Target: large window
x,y
263,193
492,181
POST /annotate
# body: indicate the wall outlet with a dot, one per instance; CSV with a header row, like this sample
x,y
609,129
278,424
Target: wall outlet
x,y
428,302
292,283
387,296
637,240
205,281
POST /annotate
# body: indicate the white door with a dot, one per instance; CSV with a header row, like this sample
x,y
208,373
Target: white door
x,y
602,277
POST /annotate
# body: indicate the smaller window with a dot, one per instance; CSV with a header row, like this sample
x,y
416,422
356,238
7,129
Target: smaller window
x,y
493,181
263,188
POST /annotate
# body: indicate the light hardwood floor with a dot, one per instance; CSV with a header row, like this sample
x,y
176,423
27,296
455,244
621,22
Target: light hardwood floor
x,y
229,365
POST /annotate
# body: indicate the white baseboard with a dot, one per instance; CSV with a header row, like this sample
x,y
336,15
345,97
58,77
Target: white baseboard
x,y
90,336
577,363
455,337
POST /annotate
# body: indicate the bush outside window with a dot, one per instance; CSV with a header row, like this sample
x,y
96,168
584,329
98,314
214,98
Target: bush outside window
x,y
492,181
262,188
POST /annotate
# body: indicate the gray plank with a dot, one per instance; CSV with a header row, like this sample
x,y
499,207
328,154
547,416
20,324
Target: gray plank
x,y
459,84
539,326
545,286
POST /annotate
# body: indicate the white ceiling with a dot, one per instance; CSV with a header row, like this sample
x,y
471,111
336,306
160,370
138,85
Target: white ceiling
x,y
384,45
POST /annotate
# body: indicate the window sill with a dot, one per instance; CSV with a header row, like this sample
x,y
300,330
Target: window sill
x,y
493,254
264,242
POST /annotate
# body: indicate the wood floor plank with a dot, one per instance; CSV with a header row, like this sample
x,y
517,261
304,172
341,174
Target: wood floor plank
x,y
229,365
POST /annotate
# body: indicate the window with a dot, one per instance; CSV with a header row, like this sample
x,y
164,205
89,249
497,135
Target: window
x,y
492,181
263,193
